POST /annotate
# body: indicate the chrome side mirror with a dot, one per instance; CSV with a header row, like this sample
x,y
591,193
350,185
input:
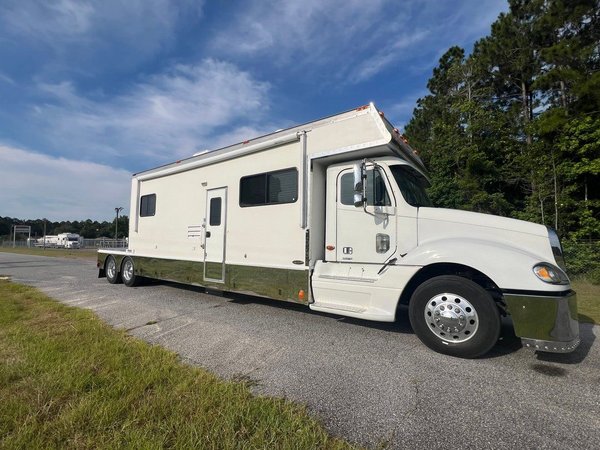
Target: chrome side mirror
x,y
360,184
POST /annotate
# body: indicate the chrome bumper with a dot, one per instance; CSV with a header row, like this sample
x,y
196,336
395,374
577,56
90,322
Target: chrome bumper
x,y
551,346
545,323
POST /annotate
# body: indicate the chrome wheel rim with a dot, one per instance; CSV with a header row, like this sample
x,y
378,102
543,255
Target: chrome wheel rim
x,y
111,268
451,317
128,270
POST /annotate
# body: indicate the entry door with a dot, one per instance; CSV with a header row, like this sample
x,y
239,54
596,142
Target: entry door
x,y
365,237
214,235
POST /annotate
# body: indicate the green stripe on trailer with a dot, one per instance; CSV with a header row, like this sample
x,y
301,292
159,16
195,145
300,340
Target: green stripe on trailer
x,y
279,284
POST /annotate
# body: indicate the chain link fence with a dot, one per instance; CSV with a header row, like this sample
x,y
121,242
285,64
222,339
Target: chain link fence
x,y
583,259
85,243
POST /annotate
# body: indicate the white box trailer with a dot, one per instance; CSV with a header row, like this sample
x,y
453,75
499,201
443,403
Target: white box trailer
x,y
334,214
49,240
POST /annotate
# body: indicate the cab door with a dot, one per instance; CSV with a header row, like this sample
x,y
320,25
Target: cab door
x,y
365,235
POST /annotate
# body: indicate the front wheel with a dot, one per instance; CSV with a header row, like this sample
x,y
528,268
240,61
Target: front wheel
x,y
455,316
128,272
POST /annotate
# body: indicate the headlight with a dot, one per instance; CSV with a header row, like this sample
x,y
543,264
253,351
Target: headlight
x,y
556,249
550,274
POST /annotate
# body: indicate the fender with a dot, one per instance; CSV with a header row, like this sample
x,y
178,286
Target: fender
x,y
507,266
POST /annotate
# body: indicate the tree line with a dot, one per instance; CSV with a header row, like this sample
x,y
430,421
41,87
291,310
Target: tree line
x,y
514,128
89,229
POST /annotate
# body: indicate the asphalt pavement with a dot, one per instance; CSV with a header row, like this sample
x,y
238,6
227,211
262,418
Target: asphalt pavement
x,y
371,383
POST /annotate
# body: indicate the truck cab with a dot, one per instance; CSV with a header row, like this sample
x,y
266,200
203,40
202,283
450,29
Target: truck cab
x,y
457,271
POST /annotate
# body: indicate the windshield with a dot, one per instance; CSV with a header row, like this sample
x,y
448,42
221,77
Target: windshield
x,y
412,184
72,239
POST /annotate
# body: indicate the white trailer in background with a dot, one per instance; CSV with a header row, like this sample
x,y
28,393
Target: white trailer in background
x,y
69,240
334,214
49,241
62,240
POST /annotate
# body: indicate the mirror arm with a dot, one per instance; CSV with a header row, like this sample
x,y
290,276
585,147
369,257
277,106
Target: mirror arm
x,y
364,186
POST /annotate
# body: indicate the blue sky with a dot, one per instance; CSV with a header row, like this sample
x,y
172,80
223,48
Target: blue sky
x,y
92,91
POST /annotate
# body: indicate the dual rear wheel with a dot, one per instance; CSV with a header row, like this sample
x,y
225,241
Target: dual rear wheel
x,y
126,275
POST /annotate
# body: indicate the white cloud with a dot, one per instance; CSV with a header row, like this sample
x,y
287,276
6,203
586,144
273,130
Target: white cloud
x,y
6,79
291,30
37,186
44,19
389,54
355,39
166,116
88,31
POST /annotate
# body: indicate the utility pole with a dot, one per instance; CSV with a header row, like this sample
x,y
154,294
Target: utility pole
x,y
44,235
118,209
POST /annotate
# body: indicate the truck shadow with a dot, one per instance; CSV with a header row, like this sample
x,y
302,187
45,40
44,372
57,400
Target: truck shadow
x,y
508,342
587,336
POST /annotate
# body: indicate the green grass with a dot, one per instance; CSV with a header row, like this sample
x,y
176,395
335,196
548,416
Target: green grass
x,y
69,380
84,253
588,301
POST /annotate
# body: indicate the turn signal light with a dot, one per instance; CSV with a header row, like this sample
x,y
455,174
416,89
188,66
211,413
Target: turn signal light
x,y
550,274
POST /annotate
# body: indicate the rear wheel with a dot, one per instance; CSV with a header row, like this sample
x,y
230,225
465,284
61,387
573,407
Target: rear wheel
x,y
128,272
110,268
455,316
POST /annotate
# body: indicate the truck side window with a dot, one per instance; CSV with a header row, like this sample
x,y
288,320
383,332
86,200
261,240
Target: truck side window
x,y
271,188
148,205
377,194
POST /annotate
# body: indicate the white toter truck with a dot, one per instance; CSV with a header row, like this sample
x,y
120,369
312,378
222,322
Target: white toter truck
x,y
334,214
62,240
69,240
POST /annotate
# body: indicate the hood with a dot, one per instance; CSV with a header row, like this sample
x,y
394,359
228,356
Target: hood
x,y
435,224
501,224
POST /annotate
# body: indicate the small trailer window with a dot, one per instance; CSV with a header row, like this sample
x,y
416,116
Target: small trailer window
x,y
148,205
269,188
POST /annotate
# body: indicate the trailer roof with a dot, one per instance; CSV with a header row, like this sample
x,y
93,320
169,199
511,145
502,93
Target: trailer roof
x,y
280,134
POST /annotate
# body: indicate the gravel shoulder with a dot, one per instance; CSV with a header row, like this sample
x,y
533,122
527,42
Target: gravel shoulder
x,y
368,382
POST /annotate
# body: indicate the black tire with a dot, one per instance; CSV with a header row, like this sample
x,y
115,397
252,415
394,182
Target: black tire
x,y
454,316
110,269
128,273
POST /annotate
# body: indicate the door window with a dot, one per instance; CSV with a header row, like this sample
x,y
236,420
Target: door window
x,y
377,194
215,212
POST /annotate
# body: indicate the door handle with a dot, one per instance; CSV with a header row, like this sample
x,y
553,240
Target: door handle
x,y
208,234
